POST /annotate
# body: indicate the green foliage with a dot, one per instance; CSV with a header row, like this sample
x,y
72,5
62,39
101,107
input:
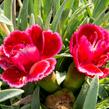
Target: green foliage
x,y
8,8
103,104
57,17
81,97
99,7
91,96
63,16
23,16
37,12
47,5
8,11
8,107
4,19
27,106
9,93
88,95
35,104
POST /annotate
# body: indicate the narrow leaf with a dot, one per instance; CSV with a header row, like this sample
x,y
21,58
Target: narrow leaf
x,y
99,7
56,5
57,17
23,16
88,89
81,97
47,21
36,99
8,107
30,7
47,7
103,18
63,55
91,97
8,11
37,9
5,20
75,19
27,106
32,19
9,93
75,4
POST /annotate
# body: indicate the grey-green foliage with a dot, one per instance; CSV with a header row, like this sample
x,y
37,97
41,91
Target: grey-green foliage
x,y
23,16
35,104
88,95
9,93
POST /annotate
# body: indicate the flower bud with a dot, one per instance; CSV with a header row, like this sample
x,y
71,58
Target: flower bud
x,y
74,79
49,83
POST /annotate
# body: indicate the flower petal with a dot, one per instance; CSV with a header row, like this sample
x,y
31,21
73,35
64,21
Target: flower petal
x,y
52,62
84,50
52,44
14,39
14,77
102,60
73,42
90,70
101,49
90,31
41,69
5,62
35,32
105,72
26,57
37,70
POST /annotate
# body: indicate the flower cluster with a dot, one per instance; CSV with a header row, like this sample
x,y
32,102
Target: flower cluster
x,y
89,46
27,56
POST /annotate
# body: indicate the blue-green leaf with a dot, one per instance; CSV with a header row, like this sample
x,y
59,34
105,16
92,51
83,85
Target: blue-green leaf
x,y
8,107
47,8
8,11
56,5
99,7
30,7
23,16
27,106
91,97
57,17
75,19
88,95
8,8
9,93
35,104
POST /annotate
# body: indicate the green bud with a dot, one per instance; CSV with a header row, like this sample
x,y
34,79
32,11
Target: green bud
x,y
49,83
74,78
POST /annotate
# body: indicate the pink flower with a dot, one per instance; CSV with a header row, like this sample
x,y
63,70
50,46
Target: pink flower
x,y
89,46
27,56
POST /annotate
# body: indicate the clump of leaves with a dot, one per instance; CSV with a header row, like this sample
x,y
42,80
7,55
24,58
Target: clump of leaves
x,y
63,16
